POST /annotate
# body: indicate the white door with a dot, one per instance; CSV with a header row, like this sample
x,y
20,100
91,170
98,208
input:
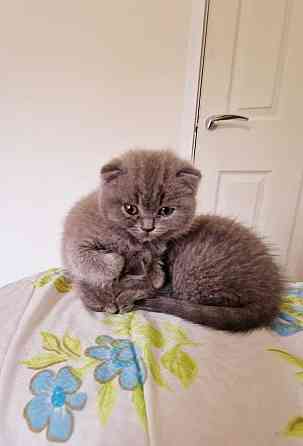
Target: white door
x,y
254,170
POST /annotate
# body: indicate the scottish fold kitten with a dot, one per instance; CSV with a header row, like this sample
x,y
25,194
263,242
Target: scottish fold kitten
x,y
135,243
114,239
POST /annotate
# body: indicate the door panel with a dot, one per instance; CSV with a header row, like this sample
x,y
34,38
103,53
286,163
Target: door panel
x,y
257,90
254,170
241,195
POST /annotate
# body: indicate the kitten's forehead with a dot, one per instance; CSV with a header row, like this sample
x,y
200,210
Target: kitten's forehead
x,y
152,176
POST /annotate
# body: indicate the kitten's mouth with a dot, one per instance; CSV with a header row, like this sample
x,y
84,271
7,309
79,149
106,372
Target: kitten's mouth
x,y
143,236
146,237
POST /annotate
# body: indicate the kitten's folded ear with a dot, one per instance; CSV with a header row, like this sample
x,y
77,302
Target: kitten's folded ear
x,y
190,176
112,170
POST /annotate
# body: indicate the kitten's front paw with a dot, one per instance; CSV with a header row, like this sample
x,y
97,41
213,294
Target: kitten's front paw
x,y
157,276
112,265
96,299
111,308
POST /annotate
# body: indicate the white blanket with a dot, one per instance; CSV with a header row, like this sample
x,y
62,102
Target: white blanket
x,y
73,376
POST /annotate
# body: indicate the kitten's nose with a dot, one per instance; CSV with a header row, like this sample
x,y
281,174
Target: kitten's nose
x,y
148,224
148,229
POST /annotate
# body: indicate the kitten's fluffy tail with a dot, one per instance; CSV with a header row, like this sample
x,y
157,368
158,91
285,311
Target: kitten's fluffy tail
x,y
234,319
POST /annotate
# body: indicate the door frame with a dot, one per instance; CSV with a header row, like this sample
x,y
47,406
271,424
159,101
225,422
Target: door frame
x,y
194,76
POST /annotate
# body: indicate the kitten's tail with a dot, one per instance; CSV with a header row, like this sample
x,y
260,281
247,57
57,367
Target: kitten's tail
x,y
234,319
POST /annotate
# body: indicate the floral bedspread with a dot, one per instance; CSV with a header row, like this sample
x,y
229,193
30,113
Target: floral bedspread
x,y
73,376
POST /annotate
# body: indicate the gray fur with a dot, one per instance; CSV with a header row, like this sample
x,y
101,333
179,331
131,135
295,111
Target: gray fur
x,y
209,270
222,275
112,261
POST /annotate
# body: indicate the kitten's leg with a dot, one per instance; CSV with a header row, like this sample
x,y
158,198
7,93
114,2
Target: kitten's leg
x,y
130,289
138,287
153,268
95,265
94,270
157,275
96,299
125,301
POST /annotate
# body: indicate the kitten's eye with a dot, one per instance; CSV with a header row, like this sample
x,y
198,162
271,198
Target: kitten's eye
x,y
130,209
166,212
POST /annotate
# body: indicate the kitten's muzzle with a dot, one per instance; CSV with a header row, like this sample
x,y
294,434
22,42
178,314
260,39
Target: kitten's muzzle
x,y
148,225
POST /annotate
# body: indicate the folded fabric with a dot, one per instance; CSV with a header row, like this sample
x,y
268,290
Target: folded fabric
x,y
69,375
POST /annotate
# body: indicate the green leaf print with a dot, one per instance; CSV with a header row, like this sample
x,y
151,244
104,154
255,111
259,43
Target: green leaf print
x,y
69,348
180,364
152,335
106,399
178,335
50,342
72,344
62,284
46,277
295,428
139,403
154,367
295,360
121,324
299,375
44,360
290,299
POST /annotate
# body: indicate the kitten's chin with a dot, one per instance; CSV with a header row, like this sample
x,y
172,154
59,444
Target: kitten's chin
x,y
156,236
142,237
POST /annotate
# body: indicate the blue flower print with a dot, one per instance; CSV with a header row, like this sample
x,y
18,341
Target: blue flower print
x,y
284,325
290,317
54,398
118,357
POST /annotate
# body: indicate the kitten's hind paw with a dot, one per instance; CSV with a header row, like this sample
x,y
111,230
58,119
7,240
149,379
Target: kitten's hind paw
x,y
127,308
126,299
111,308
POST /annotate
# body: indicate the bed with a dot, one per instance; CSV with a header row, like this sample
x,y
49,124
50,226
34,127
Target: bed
x,y
69,375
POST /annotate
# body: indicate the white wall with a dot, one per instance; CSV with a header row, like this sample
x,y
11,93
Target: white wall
x,y
80,81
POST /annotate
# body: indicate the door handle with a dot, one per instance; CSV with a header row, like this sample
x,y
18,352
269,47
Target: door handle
x,y
211,121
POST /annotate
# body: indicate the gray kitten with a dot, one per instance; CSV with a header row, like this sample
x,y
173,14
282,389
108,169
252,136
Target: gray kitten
x,y
135,243
115,238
